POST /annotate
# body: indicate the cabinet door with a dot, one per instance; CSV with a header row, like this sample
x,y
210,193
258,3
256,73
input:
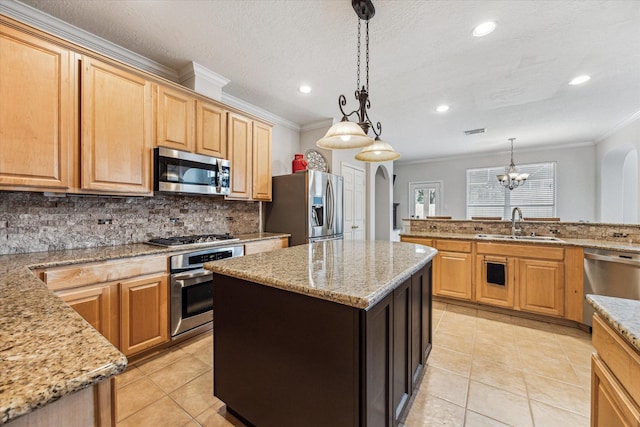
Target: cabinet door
x,y
611,406
144,320
261,162
489,292
211,130
402,374
452,271
37,120
420,320
240,155
98,305
379,356
541,286
175,120
116,130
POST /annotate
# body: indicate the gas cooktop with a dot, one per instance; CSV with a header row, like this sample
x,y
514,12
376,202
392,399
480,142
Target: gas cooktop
x,y
202,239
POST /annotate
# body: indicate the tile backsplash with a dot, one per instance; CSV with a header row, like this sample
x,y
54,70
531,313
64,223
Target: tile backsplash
x,y
32,222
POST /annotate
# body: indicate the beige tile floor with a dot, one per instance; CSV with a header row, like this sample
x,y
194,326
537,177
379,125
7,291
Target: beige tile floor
x,y
485,369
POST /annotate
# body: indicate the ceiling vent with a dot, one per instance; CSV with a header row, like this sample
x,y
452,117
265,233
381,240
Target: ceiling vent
x,y
474,131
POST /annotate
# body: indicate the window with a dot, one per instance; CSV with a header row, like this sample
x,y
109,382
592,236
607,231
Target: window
x,y
536,197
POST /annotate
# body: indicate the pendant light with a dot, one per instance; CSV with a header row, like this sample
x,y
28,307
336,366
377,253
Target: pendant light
x,y
346,134
512,178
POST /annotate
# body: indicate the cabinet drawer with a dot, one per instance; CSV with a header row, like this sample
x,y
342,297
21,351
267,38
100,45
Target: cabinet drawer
x,y
521,251
453,245
89,274
618,355
265,245
417,240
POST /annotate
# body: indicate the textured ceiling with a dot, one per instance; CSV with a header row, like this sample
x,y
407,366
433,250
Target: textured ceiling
x,y
513,82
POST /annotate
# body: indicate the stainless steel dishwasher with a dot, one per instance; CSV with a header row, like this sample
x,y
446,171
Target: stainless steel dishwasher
x,y
610,273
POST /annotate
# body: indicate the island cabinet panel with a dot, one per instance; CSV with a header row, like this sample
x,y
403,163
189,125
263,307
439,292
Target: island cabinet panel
x,y
116,130
420,321
288,359
37,120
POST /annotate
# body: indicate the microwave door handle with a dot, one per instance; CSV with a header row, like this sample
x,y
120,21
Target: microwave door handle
x,y
218,176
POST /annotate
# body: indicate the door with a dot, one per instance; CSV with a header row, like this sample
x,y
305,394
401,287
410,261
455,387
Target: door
x,y
211,130
261,188
144,313
36,112
240,156
425,199
116,130
175,110
354,202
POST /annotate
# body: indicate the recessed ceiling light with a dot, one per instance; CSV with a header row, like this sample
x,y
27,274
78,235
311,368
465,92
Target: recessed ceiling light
x,y
580,79
442,108
305,89
484,29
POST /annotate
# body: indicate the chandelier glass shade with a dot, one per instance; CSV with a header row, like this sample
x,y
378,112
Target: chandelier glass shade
x,y
346,134
379,151
512,178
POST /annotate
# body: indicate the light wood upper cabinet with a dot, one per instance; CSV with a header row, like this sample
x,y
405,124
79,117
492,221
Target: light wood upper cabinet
x,y
37,121
175,119
541,285
240,155
116,130
261,162
211,130
144,313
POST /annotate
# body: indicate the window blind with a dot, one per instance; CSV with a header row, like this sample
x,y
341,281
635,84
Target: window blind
x,y
536,197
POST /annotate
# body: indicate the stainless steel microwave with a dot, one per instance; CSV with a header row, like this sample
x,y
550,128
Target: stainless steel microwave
x,y
178,171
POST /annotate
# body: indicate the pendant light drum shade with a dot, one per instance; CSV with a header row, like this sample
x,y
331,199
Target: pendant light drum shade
x,y
344,134
379,151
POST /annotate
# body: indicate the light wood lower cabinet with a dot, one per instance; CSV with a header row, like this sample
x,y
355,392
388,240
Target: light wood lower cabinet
x,y
144,313
495,288
452,269
98,305
541,285
614,372
37,138
116,130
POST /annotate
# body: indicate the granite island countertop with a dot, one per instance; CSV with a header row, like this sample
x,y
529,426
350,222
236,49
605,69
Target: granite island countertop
x,y
47,350
349,272
620,313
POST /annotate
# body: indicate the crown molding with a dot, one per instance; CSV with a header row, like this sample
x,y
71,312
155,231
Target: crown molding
x,y
623,123
258,112
193,69
62,29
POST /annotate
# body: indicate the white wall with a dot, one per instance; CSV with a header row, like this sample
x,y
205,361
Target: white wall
x,y
285,142
613,165
575,180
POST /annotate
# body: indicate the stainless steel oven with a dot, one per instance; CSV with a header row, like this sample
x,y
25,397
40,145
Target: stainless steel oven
x,y
192,287
178,171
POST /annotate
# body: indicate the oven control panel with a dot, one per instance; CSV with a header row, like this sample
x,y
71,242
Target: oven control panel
x,y
202,258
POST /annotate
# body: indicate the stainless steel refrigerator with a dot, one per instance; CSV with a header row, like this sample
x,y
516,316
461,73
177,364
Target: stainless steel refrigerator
x,y
307,205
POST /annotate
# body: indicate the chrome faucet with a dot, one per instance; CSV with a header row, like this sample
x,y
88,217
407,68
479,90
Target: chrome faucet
x,y
515,230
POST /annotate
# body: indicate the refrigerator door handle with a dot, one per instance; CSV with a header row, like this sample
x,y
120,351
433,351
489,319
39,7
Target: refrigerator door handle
x,y
330,204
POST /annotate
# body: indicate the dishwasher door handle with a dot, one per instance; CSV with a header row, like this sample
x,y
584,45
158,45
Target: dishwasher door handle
x,y
615,259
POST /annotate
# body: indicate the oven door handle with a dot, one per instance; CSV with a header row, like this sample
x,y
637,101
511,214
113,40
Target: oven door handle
x,y
192,275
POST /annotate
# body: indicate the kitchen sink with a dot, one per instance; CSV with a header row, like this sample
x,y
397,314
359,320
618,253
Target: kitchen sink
x,y
526,238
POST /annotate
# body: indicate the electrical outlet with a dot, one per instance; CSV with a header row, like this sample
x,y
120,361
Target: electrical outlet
x,y
103,221
174,221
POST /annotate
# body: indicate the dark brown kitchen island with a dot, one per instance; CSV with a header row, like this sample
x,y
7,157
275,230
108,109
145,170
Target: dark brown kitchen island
x,y
333,333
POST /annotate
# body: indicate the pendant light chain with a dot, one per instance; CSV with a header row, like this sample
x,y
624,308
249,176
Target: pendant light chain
x,y
367,45
358,82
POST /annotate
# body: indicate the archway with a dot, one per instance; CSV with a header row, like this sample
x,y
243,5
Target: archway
x,y
382,204
619,186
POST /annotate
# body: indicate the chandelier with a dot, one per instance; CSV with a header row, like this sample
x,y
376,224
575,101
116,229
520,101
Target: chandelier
x,y
347,134
512,178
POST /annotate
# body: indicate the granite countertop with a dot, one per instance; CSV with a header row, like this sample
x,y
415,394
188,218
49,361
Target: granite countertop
x,y
46,349
353,273
622,314
585,243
